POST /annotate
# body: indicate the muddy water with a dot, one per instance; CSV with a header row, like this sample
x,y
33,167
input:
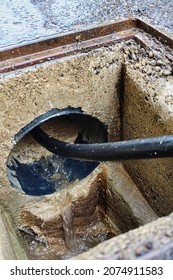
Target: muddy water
x,y
23,21
39,251
74,240
68,226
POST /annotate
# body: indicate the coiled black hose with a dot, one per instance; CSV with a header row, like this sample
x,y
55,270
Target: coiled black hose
x,y
145,148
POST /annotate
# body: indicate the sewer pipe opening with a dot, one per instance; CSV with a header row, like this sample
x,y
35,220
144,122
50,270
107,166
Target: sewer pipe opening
x,y
47,173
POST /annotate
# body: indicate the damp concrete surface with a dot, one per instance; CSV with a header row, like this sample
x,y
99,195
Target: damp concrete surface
x,y
27,20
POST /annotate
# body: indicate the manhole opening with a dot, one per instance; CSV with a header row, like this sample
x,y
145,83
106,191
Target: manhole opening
x,y
35,171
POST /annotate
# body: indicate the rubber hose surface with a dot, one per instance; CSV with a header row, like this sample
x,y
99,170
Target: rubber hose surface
x,y
145,148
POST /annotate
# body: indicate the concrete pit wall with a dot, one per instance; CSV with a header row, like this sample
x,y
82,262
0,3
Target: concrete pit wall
x,y
107,84
78,81
147,116
146,111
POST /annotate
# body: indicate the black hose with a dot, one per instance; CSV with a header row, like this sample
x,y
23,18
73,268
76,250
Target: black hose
x,y
145,148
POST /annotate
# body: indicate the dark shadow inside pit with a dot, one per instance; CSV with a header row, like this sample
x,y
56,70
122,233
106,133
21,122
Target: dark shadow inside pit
x,y
33,170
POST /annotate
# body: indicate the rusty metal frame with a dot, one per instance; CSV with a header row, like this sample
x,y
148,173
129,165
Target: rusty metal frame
x,y
18,57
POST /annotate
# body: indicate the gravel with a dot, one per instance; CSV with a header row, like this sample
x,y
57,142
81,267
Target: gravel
x,y
153,64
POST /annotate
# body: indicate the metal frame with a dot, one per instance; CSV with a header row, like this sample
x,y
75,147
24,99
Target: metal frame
x,y
21,56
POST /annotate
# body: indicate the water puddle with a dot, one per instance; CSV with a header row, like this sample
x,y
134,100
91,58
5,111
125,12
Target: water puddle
x,y
75,227
77,245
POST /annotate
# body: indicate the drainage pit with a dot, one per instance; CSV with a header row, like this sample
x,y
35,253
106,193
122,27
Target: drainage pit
x,y
125,85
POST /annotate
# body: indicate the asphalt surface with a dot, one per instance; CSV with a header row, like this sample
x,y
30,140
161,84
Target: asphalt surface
x,y
27,20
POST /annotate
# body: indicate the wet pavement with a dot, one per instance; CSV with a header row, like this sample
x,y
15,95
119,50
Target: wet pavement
x,y
28,20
